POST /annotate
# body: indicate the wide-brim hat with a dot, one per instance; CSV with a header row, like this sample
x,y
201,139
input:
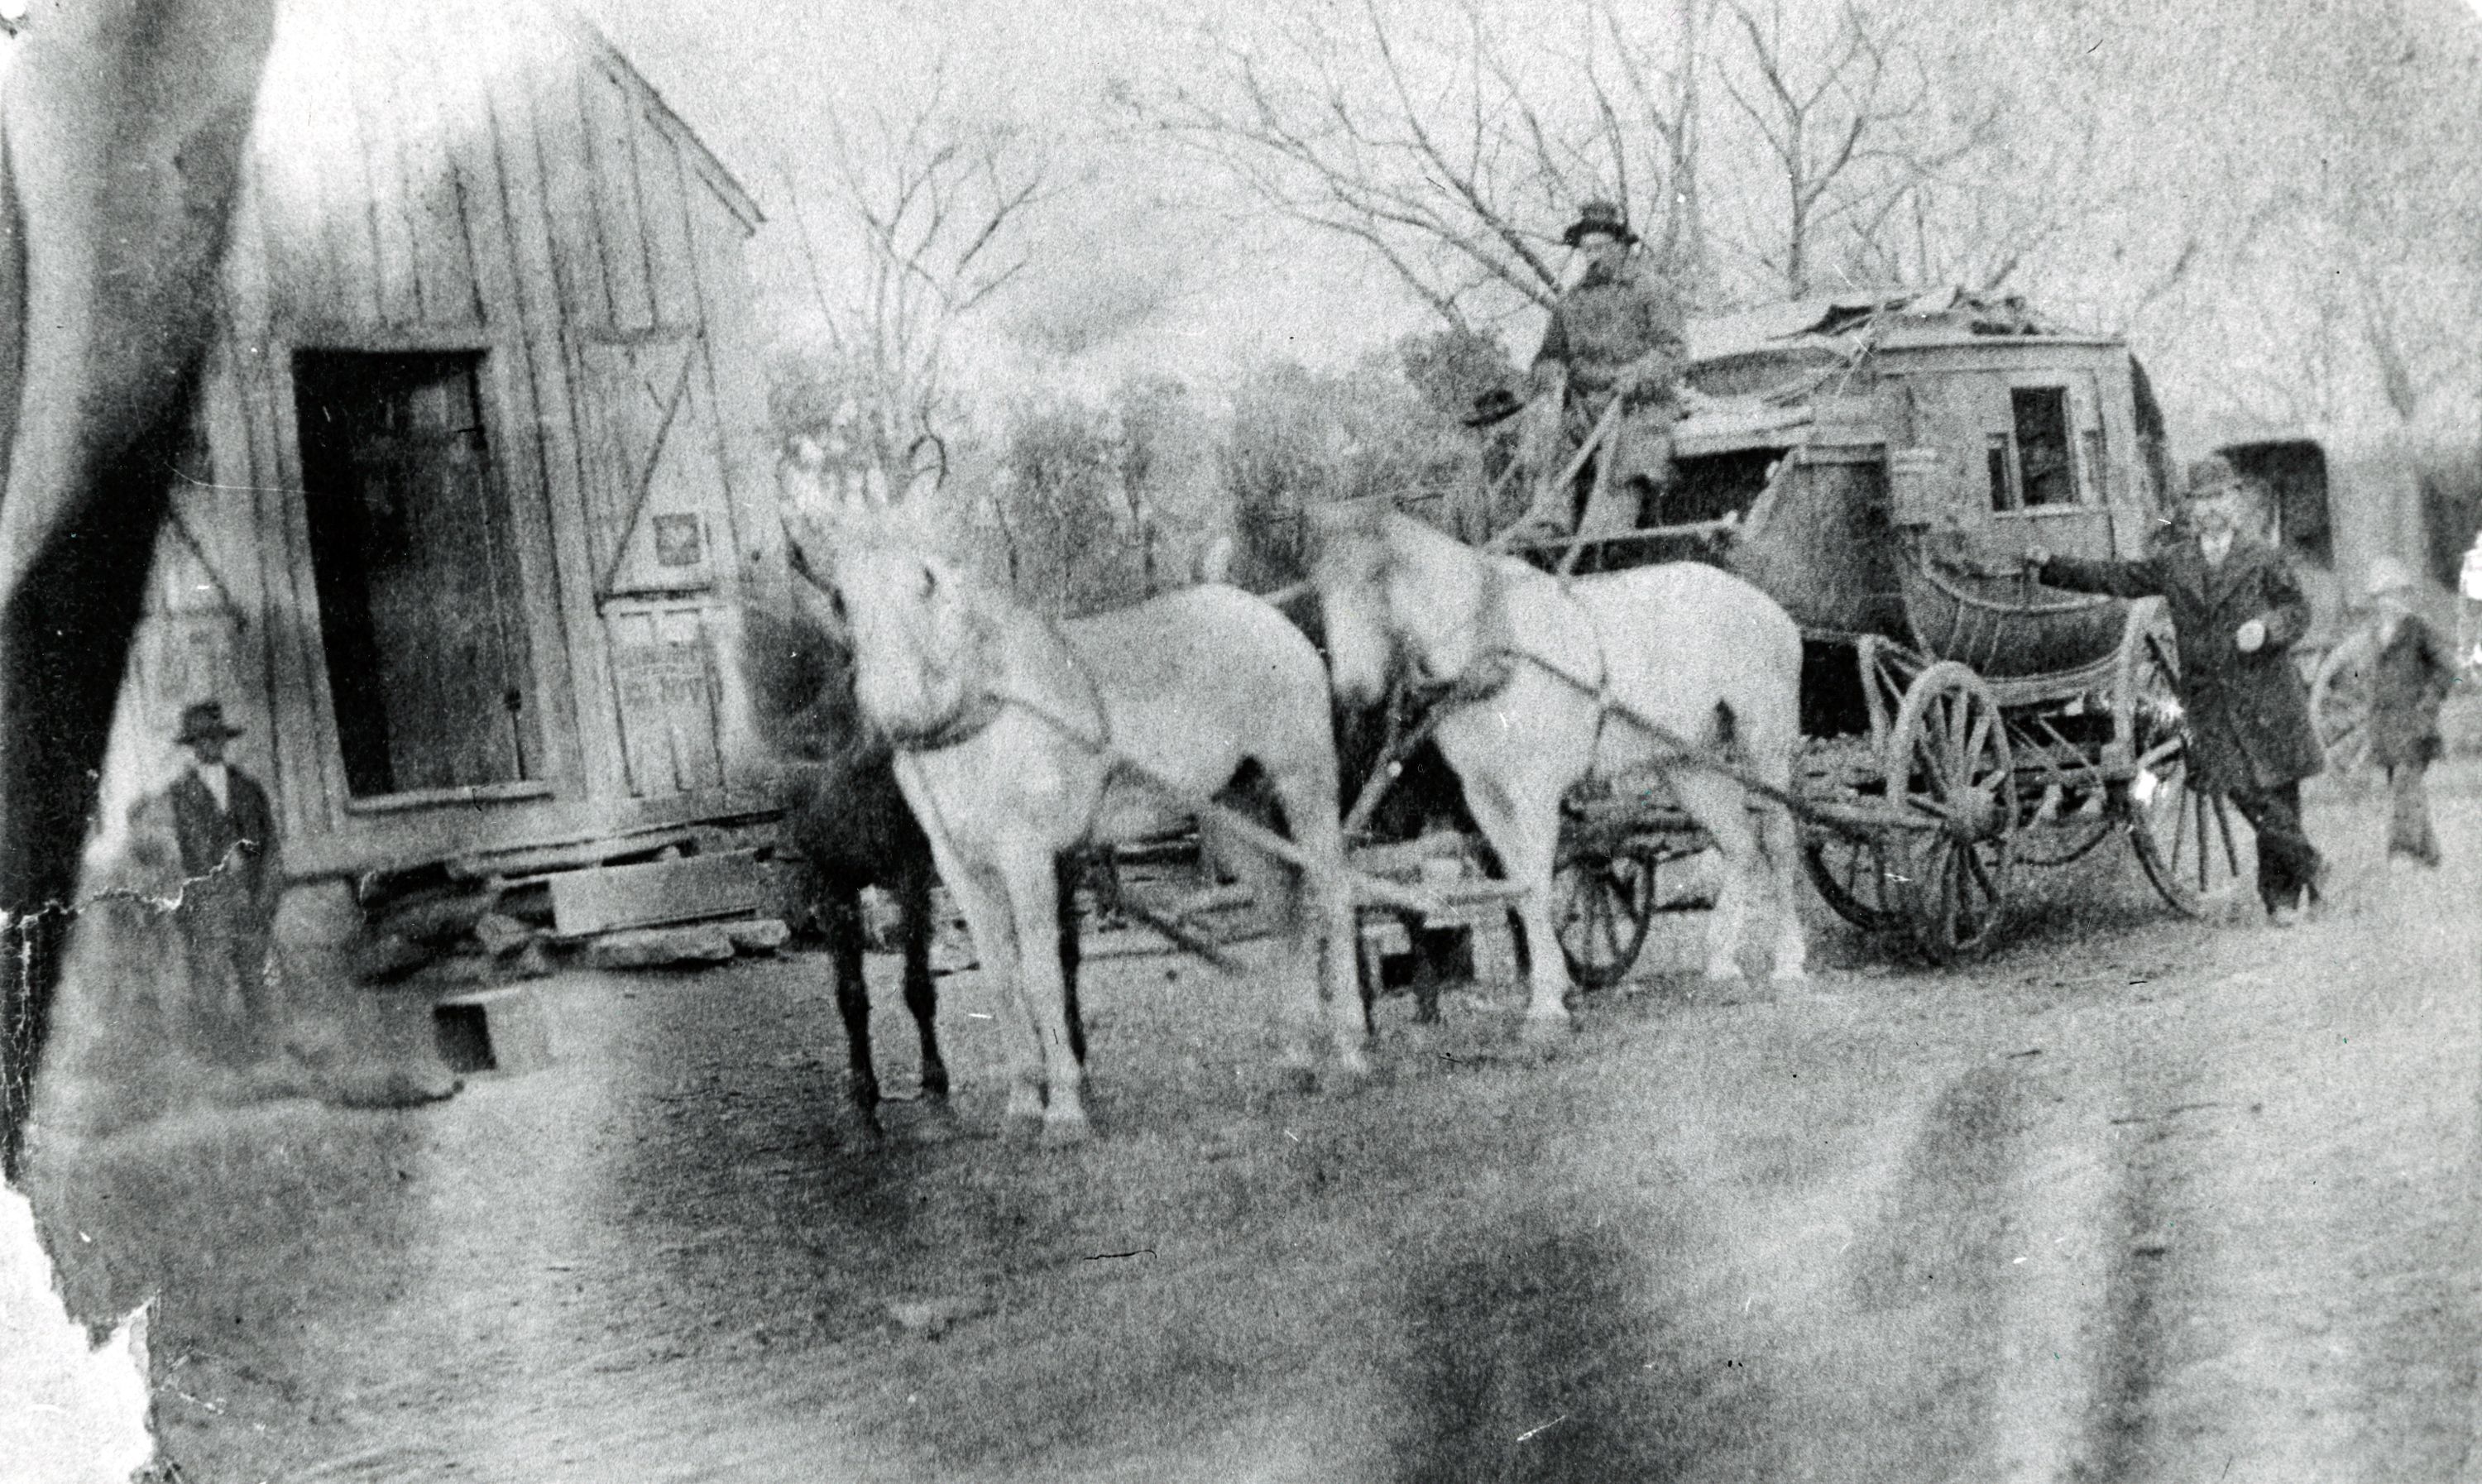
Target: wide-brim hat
x,y
2388,576
1598,217
1495,405
206,719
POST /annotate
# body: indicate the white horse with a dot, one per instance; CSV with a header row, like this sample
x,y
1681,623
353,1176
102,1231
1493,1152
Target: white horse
x,y
1019,737
1704,655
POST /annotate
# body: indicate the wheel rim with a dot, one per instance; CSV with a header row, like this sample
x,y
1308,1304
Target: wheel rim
x,y
2339,708
1948,763
2189,842
1860,877
1607,903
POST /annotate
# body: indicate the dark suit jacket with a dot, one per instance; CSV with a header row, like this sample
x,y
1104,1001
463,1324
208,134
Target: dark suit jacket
x,y
2249,714
246,831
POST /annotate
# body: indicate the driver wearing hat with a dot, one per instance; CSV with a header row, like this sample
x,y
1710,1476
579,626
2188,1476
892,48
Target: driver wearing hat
x,y
1617,332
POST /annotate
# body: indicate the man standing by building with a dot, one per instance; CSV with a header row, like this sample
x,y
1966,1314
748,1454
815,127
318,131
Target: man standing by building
x,y
1619,333
230,881
2236,610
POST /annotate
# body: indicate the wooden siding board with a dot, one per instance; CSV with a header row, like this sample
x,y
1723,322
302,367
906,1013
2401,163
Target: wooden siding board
x,y
755,539
436,204
523,451
555,279
619,219
550,115
373,106
664,224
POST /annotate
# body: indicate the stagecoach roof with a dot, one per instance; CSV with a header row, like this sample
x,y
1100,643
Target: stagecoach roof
x,y
1840,323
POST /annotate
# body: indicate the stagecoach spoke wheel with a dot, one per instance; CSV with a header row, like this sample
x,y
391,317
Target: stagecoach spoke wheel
x,y
1949,768
2340,708
1860,876
2190,843
1606,902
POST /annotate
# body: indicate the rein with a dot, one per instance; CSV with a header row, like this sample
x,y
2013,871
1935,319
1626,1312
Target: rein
x,y
1508,654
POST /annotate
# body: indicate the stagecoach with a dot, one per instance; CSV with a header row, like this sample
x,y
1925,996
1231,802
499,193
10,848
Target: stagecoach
x,y
1860,460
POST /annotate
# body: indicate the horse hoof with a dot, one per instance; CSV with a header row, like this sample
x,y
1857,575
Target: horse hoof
x,y
1020,1129
1546,1032
1793,975
1726,972
1299,1077
1063,1129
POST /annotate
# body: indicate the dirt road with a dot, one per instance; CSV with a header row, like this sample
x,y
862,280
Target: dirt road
x,y
2134,1199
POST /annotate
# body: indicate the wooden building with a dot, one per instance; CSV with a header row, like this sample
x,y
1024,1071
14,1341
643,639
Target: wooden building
x,y
482,473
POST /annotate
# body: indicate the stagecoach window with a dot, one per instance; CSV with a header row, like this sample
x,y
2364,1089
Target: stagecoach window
x,y
2045,463
2003,489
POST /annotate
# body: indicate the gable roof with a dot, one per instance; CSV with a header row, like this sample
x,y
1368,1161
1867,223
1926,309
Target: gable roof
x,y
718,177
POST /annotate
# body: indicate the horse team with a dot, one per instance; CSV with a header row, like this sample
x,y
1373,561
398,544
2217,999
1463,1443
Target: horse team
x,y
1015,741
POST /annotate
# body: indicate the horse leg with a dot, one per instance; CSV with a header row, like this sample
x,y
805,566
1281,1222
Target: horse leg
x,y
1066,874
842,911
1320,919
1780,837
1524,830
1032,887
984,897
921,996
1720,806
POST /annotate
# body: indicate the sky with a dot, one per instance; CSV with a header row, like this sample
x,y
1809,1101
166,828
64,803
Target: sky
x,y
1178,284
1194,293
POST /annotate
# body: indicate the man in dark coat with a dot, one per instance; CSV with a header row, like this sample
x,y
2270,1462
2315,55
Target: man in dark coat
x,y
2236,611
230,882
1619,332
2410,676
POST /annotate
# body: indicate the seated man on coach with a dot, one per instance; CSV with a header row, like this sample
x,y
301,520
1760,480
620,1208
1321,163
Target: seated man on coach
x,y
1618,334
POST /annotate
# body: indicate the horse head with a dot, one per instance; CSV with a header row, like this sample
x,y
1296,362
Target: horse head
x,y
1395,592
917,635
1355,574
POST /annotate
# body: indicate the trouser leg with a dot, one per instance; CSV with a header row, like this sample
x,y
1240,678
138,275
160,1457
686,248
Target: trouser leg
x,y
2287,863
2409,831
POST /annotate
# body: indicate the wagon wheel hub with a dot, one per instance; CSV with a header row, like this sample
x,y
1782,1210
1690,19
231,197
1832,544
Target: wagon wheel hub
x,y
1973,814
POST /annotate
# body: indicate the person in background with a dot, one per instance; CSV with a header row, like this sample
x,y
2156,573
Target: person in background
x,y
1498,496
2411,673
230,879
2236,611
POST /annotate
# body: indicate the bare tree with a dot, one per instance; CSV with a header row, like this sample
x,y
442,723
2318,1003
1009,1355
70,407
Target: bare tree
x,y
1864,153
1437,144
924,225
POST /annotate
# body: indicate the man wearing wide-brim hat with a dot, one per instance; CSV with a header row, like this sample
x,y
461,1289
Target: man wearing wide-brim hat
x,y
1494,495
2236,611
229,866
1619,332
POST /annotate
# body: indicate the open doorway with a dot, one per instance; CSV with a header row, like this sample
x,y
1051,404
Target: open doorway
x,y
420,598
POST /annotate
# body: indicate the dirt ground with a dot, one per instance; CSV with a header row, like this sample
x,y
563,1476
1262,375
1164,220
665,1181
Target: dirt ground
x,y
2133,1199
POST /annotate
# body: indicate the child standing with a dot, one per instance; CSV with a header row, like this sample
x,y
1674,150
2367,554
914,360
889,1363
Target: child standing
x,y
2409,681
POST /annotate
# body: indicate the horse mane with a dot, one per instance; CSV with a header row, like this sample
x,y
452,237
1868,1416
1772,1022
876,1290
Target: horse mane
x,y
799,678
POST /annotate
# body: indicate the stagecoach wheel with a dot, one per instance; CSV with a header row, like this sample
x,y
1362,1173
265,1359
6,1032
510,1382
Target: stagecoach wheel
x,y
1606,904
1861,876
2340,708
1948,766
2187,842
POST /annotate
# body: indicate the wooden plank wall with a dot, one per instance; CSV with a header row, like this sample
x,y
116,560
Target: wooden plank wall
x,y
476,174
